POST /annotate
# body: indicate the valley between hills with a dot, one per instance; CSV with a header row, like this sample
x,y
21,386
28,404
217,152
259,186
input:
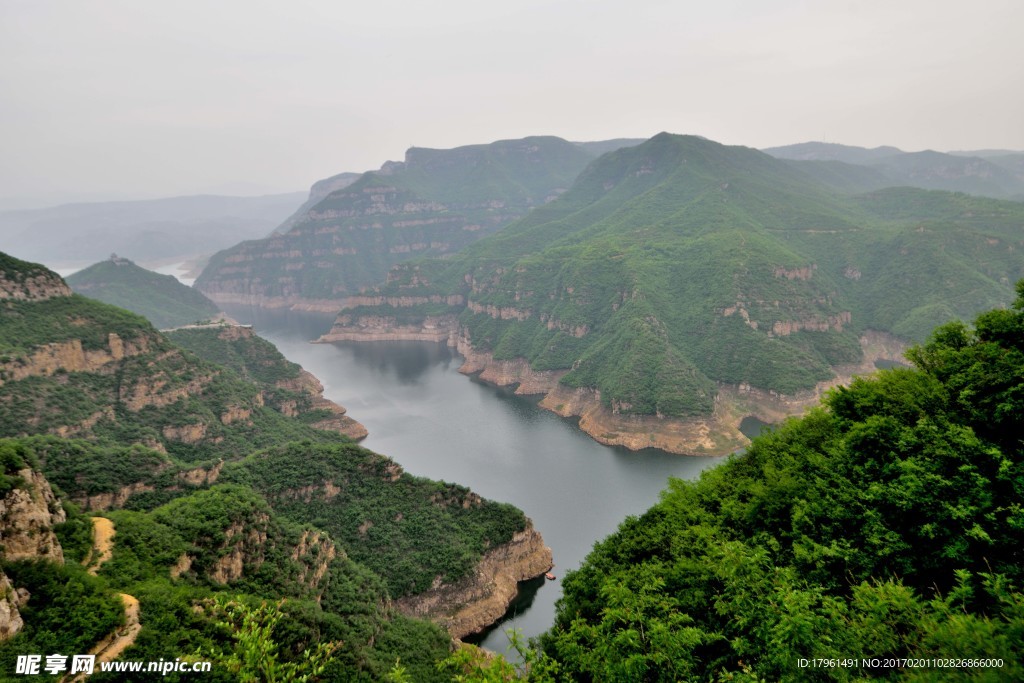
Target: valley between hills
x,y
660,291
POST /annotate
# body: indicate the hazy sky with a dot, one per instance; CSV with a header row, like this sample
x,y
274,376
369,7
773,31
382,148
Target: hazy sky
x,y
135,98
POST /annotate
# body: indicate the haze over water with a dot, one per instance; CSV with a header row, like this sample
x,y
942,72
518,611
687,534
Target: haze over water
x,y
440,424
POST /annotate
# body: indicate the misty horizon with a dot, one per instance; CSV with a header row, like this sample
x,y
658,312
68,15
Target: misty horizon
x,y
122,101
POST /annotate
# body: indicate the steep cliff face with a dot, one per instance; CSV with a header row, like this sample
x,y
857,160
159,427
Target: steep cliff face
x,y
73,367
481,598
28,513
10,600
435,202
22,281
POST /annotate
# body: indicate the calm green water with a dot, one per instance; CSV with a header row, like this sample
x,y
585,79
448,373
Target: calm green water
x,y
440,424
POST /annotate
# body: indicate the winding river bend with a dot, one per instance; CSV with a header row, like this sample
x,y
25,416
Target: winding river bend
x,y
440,424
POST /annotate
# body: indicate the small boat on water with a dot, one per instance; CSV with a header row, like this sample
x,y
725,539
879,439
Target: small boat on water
x,y
549,576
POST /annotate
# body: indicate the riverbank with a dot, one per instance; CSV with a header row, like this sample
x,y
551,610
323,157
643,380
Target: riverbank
x,y
716,434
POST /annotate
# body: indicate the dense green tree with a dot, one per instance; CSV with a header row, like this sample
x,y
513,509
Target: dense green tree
x,y
886,523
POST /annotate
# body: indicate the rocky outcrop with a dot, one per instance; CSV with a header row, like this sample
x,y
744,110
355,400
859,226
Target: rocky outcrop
x,y
31,284
28,514
10,600
713,435
314,552
161,389
201,476
504,373
112,500
243,546
190,434
481,598
337,421
442,328
718,433
71,356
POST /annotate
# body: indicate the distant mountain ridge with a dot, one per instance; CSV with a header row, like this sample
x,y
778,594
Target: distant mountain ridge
x,y
682,282
143,230
435,202
988,173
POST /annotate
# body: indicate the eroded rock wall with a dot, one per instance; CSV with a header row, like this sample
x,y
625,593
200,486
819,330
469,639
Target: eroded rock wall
x,y
480,599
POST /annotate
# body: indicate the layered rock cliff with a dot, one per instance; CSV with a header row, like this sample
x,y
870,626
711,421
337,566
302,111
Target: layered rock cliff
x,y
478,600
717,433
680,280
435,202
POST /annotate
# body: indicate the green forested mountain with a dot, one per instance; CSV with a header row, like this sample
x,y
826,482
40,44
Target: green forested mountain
x,y
435,202
884,526
677,266
239,529
161,299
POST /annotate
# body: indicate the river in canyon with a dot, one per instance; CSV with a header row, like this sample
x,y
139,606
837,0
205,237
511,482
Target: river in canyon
x,y
440,424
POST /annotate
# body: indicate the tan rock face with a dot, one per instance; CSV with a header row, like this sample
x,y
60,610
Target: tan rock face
x,y
314,552
35,287
338,421
201,476
189,434
69,356
382,328
107,501
478,600
160,390
27,517
714,435
183,564
10,616
246,549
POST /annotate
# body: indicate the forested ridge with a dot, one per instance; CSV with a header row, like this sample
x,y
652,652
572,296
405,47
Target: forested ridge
x,y
249,537
678,265
887,523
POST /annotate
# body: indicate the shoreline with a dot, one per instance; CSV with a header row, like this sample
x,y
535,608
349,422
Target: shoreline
x,y
714,435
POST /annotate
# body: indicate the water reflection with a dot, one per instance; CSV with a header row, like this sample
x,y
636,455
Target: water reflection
x,y
885,364
404,362
440,424
519,605
751,427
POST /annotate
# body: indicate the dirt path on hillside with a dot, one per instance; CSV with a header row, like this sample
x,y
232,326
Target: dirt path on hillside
x,y
103,533
120,639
